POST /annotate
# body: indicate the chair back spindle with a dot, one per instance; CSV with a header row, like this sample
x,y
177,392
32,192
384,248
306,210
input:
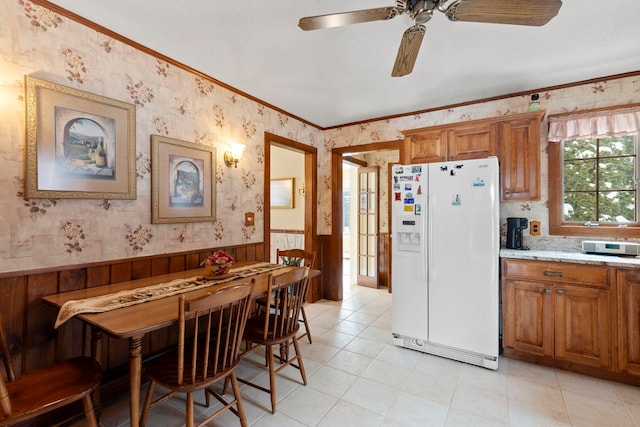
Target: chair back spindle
x,y
210,330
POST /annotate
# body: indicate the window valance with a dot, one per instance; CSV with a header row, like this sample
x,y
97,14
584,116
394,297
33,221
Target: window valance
x,y
595,124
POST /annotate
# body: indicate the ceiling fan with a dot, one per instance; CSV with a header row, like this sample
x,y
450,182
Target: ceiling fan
x,y
517,12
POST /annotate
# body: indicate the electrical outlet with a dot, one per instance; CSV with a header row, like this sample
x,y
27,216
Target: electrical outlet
x,y
534,228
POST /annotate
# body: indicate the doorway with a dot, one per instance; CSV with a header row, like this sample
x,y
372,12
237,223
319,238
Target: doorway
x,y
346,201
310,233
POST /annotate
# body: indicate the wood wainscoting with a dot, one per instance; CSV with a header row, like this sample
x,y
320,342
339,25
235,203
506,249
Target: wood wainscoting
x,y
35,343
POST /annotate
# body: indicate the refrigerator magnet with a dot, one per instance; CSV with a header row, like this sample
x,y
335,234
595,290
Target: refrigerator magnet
x,y
478,182
456,200
418,209
398,196
408,208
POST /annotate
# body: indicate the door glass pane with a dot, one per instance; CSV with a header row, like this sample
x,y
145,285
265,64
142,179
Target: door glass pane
x,y
372,267
372,224
364,224
363,266
363,182
372,245
363,245
363,202
372,181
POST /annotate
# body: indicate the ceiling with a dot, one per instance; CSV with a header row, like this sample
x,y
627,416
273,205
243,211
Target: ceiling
x,y
342,75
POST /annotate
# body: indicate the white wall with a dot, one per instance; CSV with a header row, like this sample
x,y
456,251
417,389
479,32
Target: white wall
x,y
288,164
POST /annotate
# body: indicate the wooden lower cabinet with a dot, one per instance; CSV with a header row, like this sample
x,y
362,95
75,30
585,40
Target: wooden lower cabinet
x,y
579,317
629,321
582,327
566,322
528,317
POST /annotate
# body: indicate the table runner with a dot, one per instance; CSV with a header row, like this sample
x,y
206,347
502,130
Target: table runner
x,y
127,298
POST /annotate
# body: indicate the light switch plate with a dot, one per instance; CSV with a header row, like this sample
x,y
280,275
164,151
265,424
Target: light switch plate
x,y
249,219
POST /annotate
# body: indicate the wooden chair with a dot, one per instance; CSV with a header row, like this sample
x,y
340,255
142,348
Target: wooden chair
x,y
299,258
41,391
210,330
279,326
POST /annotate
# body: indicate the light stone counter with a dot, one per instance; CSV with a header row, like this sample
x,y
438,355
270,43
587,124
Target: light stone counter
x,y
577,257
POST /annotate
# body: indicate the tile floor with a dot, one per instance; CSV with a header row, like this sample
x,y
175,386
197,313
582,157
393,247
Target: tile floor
x,y
357,377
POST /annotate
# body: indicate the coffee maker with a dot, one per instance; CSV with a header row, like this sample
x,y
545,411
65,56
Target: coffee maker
x,y
514,232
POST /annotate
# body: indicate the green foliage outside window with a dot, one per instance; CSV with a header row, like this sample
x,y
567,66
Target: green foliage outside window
x,y
599,180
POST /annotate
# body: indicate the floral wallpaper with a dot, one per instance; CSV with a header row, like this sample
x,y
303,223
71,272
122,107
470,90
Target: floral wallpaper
x,y
173,102
169,101
582,97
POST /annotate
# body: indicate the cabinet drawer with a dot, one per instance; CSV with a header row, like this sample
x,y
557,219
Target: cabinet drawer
x,y
586,274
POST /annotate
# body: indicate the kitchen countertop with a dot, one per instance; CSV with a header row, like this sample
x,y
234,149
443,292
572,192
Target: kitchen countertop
x,y
566,256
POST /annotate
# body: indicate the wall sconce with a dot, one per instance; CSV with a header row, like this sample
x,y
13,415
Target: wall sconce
x,y
302,190
231,158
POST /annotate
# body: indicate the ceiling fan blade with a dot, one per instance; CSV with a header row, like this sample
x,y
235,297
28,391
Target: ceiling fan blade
x,y
347,18
517,12
408,51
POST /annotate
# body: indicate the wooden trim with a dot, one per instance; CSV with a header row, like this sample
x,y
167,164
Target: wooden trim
x,y
99,28
355,161
274,231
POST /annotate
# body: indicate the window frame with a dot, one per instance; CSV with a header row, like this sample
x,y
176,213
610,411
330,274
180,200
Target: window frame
x,y
557,224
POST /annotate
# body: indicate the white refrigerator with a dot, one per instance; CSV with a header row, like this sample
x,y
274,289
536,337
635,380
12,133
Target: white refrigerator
x,y
445,248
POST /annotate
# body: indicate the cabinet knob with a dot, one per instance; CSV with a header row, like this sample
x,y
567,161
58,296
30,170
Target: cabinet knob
x,y
560,292
547,291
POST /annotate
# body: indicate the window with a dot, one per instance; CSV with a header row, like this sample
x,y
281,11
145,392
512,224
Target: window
x,y
593,174
599,179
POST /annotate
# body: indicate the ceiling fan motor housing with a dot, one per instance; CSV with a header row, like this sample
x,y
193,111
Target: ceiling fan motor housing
x,y
420,10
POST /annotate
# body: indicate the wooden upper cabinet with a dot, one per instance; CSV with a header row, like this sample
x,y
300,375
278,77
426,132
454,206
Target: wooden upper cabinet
x,y
427,147
475,141
520,157
515,139
462,142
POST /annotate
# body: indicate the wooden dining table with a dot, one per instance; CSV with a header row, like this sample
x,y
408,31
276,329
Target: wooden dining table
x,y
133,322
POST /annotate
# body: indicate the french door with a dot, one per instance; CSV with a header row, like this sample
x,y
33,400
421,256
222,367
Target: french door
x,y
368,227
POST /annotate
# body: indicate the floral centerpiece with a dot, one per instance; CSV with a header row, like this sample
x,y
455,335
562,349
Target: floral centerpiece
x,y
219,263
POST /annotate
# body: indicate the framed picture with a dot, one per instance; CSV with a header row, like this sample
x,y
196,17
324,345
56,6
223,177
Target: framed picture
x,y
79,145
182,181
282,193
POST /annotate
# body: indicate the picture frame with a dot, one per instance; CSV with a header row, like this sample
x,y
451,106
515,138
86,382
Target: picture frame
x,y
79,145
282,193
182,181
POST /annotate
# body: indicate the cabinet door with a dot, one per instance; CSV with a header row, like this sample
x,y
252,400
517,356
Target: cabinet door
x,y
629,321
520,159
582,326
528,317
476,141
428,146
